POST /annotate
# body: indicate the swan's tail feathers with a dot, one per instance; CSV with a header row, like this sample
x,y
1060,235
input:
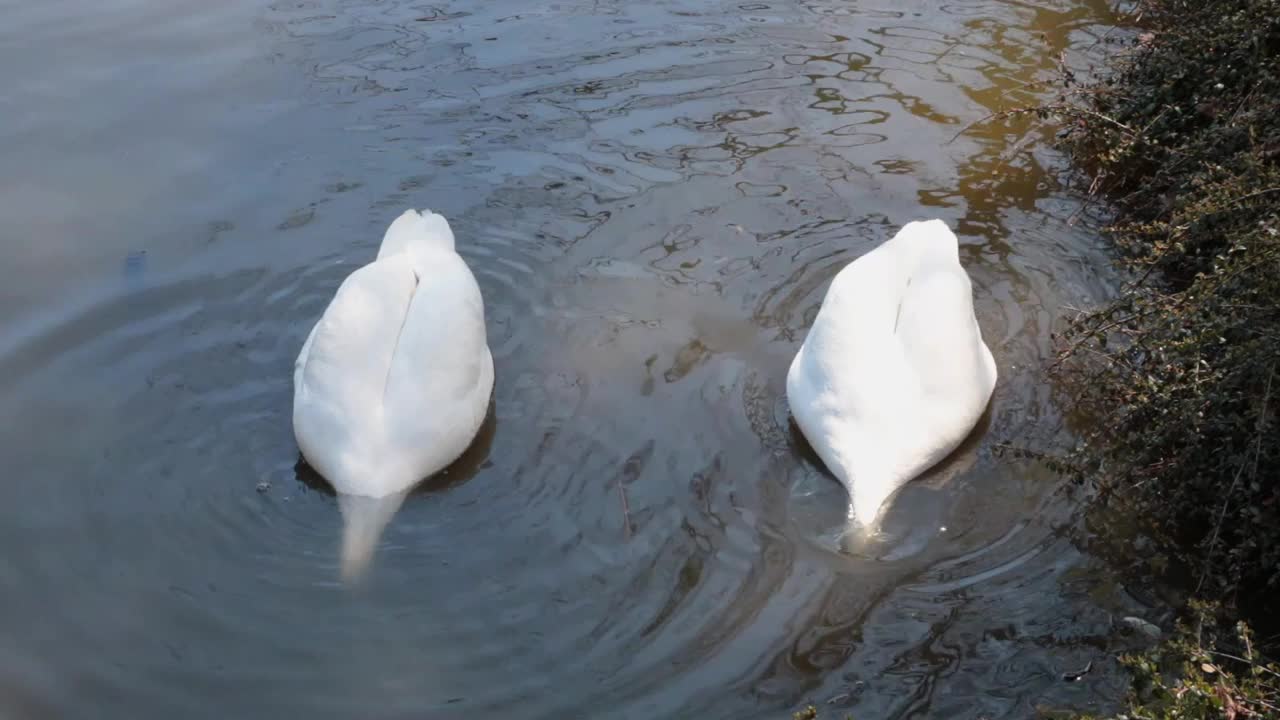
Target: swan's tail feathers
x,y
363,520
418,231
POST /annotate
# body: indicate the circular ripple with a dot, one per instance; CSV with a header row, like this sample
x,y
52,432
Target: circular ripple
x,y
653,211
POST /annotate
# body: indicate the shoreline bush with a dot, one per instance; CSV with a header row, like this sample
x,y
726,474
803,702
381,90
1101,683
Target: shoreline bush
x,y
1183,140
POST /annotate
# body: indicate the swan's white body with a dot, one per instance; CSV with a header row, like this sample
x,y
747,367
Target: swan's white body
x,y
394,381
894,373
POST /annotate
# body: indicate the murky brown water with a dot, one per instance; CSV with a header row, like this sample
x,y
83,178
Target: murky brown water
x,y
653,196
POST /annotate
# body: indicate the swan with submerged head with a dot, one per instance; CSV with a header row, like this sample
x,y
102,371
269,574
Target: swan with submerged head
x,y
394,381
894,373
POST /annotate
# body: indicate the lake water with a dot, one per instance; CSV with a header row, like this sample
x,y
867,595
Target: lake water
x,y
653,196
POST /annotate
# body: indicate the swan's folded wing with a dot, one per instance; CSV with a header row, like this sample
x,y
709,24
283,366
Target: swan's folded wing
x,y
349,354
939,337
303,354
442,364
952,368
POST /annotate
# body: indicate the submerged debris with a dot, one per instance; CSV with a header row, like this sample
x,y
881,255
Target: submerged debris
x,y
1075,676
1138,625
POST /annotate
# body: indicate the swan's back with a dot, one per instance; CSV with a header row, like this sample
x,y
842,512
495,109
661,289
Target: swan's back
x,y
936,324
441,375
395,379
893,374
905,302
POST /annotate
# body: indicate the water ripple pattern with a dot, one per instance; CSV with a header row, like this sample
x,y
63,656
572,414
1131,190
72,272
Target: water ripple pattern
x,y
654,197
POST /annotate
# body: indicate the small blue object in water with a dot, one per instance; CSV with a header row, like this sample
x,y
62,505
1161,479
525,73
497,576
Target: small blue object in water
x,y
135,265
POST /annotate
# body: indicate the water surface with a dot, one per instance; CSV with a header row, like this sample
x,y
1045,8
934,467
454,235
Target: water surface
x,y
654,196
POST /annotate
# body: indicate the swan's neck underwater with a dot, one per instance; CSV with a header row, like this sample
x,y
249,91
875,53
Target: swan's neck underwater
x,y
866,502
363,520
869,482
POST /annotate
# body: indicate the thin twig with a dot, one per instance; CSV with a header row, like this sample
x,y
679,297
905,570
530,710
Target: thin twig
x,y
1094,333
626,511
1247,662
1100,116
979,121
1151,265
1263,703
1217,526
1252,195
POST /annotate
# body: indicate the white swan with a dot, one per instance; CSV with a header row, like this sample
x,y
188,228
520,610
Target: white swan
x,y
394,381
894,373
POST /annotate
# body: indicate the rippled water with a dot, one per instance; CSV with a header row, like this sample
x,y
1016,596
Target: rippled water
x,y
654,196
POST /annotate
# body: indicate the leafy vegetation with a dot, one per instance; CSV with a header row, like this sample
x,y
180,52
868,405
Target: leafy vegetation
x,y
1208,670
1183,140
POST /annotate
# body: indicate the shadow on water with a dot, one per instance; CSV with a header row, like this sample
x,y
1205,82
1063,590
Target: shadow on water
x,y
654,197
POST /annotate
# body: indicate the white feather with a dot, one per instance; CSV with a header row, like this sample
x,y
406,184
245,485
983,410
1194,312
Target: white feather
x,y
394,381
894,373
